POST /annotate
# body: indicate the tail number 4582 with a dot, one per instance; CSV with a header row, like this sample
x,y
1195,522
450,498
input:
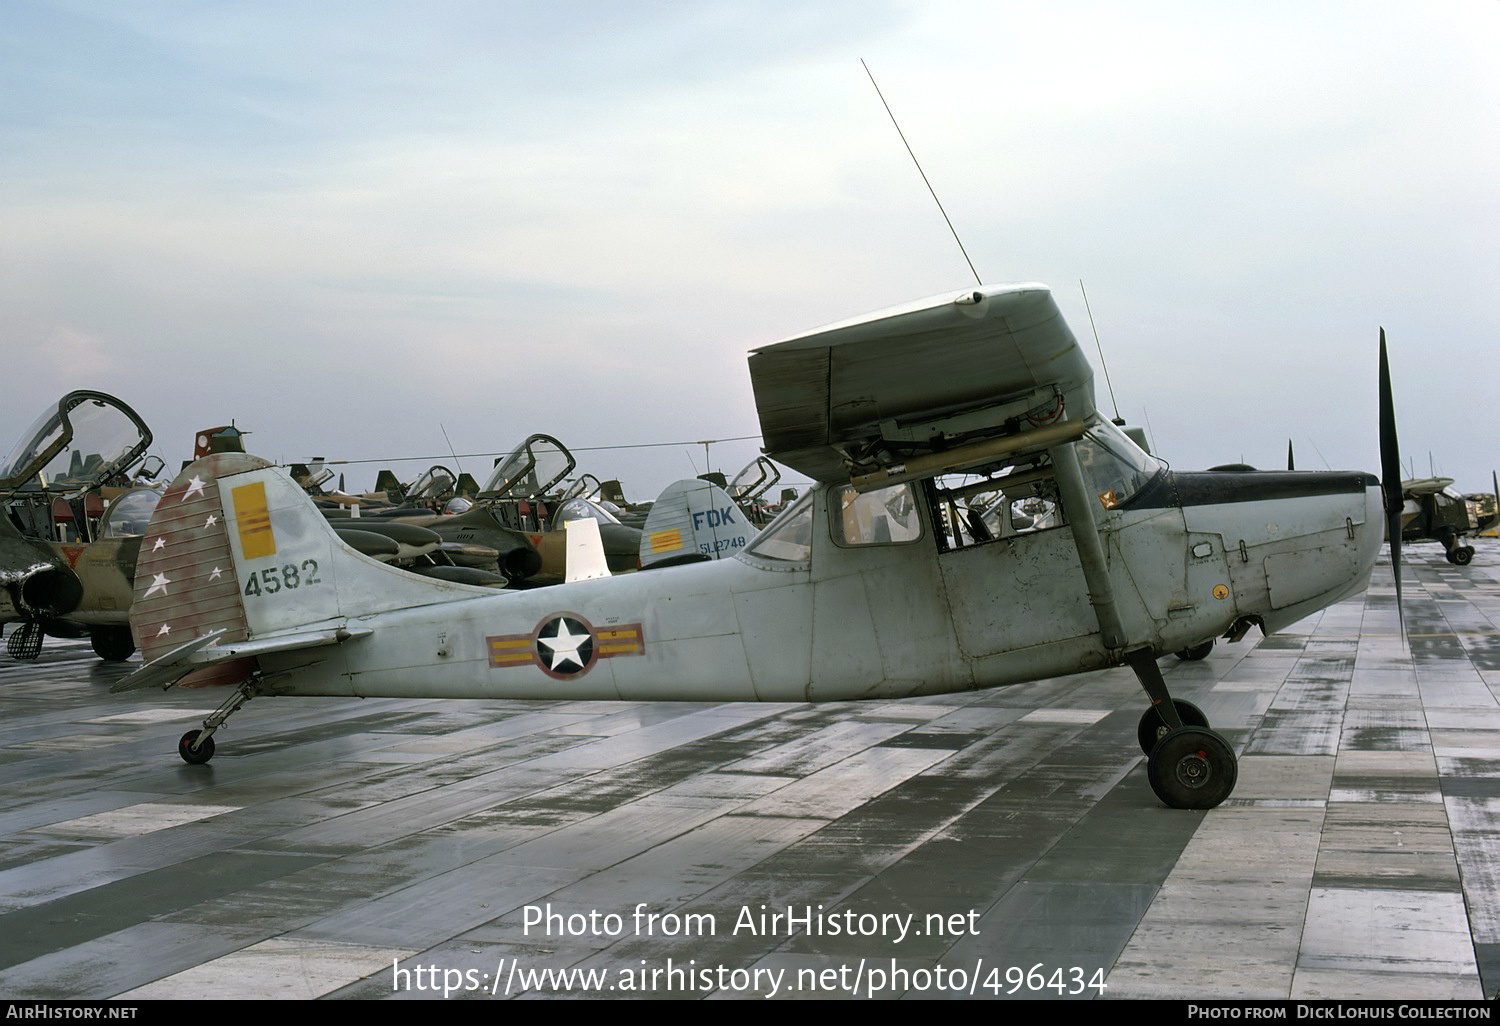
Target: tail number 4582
x,y
274,578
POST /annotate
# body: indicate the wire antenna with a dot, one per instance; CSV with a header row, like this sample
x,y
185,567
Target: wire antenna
x,y
915,161
450,447
1098,345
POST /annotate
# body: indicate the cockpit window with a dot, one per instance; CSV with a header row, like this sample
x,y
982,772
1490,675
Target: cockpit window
x,y
1114,466
583,509
789,536
886,516
130,513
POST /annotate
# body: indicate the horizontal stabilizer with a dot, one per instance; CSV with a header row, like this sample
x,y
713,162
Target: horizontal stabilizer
x,y
960,365
200,652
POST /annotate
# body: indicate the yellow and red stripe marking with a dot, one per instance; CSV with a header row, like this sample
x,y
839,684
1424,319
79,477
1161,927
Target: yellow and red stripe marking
x,y
254,519
666,541
521,649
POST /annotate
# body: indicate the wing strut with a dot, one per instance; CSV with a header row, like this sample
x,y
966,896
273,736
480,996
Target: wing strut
x,y
1080,509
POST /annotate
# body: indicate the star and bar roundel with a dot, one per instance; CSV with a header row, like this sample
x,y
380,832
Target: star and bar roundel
x,y
565,645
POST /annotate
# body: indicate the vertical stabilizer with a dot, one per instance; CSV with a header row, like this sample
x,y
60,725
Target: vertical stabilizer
x,y
236,546
694,518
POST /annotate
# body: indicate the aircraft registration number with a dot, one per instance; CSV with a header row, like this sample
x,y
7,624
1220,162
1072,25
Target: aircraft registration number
x,y
275,578
720,545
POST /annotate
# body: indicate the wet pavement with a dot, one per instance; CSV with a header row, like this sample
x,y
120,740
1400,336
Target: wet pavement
x,y
1001,843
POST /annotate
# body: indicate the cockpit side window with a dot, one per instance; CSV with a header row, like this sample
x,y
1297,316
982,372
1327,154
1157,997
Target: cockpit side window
x,y
886,516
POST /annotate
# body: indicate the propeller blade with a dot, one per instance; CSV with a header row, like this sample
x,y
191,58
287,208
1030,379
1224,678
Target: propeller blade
x,y
1390,475
1291,464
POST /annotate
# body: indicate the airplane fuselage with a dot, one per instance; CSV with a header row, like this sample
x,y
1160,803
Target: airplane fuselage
x,y
845,622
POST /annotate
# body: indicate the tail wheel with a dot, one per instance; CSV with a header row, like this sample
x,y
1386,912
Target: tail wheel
x,y
1462,555
198,756
1153,728
1192,768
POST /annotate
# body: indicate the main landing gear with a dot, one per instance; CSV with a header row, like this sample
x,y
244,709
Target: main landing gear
x,y
1457,552
1189,766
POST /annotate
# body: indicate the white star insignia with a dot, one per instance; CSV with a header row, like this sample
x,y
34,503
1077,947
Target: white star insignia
x,y
216,574
195,484
564,645
164,630
158,582
161,543
211,521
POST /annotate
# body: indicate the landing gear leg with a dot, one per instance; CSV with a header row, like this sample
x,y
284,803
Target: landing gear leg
x,y
1189,766
197,746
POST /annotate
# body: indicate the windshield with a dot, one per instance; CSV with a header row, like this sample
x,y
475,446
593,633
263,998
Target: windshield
x,y
754,480
789,536
1115,466
87,438
129,514
534,467
583,509
436,483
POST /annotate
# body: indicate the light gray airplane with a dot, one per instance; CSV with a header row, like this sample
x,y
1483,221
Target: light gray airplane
x,y
875,584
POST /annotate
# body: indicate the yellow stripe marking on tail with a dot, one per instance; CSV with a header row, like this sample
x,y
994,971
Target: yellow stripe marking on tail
x,y
254,520
666,541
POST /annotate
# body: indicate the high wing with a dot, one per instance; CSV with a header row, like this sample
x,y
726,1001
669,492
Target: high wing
x,y
862,394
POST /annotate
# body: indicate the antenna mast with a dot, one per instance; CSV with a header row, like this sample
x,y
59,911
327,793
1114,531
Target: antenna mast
x,y
1100,347
914,160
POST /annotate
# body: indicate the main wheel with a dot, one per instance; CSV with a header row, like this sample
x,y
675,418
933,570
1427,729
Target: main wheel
x,y
1153,728
112,644
1462,555
1192,768
195,758
1197,651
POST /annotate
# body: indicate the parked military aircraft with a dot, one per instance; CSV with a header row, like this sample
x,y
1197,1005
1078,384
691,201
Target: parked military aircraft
x,y
67,562
1433,511
864,588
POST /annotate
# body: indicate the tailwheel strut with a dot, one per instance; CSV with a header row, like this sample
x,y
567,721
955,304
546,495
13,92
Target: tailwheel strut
x,y
197,746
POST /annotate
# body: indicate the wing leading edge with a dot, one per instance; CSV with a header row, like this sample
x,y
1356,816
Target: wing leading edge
x,y
920,378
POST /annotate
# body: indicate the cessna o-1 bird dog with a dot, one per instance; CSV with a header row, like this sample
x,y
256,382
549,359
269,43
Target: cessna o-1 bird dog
x,y
879,582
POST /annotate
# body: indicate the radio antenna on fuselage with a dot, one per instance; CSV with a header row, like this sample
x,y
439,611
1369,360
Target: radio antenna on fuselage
x,y
915,161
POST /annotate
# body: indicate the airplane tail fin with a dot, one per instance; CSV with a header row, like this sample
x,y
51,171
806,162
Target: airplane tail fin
x,y
236,547
694,519
387,482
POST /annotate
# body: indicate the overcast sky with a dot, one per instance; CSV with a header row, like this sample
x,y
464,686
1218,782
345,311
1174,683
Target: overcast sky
x,y
351,225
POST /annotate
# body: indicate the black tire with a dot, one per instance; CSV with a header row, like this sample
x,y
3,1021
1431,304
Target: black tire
x,y
191,757
112,644
1192,768
1462,555
1152,728
1197,652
